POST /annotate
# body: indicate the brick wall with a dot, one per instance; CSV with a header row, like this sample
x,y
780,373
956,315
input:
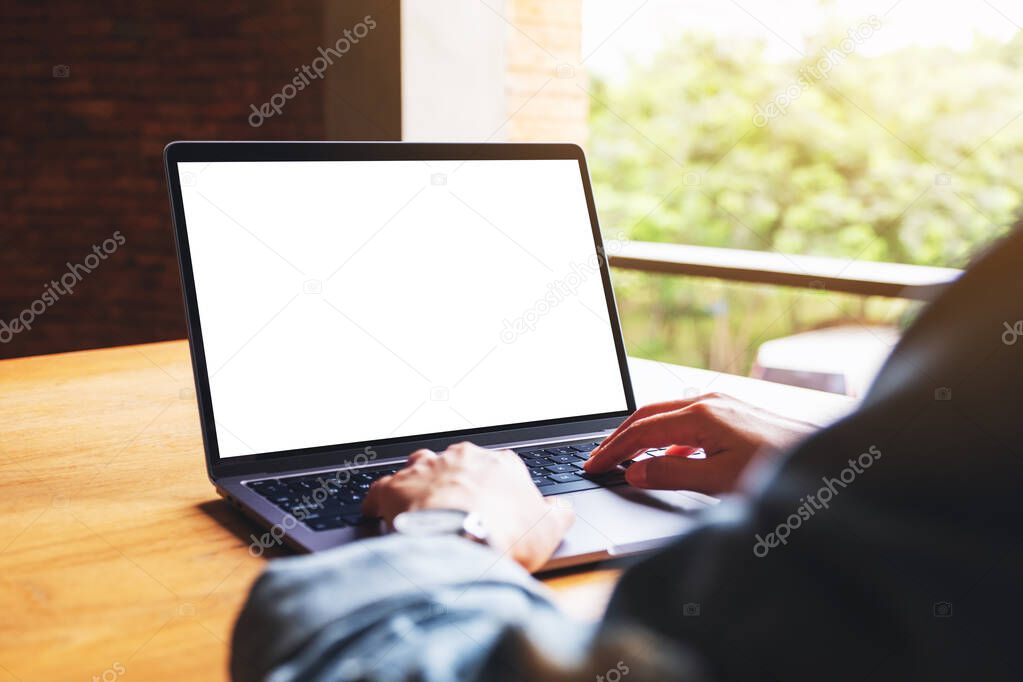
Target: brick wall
x,y
545,73
80,156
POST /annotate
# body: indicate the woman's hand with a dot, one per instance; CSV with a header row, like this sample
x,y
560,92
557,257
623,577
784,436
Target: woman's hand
x,y
731,433
494,484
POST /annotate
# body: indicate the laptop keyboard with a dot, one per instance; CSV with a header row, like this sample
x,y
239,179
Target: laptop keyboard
x,y
325,500
333,499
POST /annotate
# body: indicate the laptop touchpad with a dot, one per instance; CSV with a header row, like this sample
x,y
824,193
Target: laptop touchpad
x,y
625,515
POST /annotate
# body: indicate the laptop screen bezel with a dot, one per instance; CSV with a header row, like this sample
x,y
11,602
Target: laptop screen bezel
x,y
383,449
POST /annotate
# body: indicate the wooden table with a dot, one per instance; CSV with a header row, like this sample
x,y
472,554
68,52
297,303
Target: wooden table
x,y
116,556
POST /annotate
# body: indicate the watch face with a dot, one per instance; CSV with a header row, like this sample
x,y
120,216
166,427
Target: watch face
x,y
431,522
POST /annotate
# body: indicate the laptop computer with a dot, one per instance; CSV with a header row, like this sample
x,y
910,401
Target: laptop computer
x,y
350,303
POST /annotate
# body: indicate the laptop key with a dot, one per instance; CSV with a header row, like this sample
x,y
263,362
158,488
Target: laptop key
x,y
564,478
330,504
605,478
307,515
563,459
543,482
585,447
356,519
560,468
570,487
327,523
293,486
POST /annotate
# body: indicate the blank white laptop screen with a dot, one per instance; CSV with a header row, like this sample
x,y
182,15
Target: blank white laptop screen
x,y
348,302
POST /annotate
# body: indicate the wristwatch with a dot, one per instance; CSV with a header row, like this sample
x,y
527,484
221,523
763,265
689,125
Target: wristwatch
x,y
439,522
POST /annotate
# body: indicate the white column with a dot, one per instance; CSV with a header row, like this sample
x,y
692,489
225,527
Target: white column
x,y
453,70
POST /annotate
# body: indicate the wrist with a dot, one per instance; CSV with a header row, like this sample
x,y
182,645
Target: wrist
x,y
442,522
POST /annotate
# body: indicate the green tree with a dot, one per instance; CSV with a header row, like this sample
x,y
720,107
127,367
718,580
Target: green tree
x,y
913,156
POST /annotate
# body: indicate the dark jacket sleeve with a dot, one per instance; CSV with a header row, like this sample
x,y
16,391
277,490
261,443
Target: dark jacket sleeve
x,y
886,546
386,608
402,608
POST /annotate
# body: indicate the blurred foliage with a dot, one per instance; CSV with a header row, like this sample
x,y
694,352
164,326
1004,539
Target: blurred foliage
x,y
911,156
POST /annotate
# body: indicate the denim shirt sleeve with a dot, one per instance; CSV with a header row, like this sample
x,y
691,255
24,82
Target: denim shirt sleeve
x,y
394,608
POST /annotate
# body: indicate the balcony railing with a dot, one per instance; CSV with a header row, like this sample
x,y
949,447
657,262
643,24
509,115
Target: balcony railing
x,y
865,278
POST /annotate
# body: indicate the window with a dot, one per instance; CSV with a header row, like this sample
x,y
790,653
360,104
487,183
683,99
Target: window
x,y
853,129
866,134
